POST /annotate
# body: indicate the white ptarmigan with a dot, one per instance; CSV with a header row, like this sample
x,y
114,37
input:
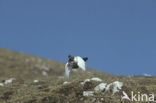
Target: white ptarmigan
x,y
75,63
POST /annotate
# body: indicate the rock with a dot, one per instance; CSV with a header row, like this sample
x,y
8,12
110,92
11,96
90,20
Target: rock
x,y
101,87
36,81
88,93
96,79
86,80
82,83
108,87
44,67
65,83
117,86
92,79
102,99
1,84
9,80
44,73
94,100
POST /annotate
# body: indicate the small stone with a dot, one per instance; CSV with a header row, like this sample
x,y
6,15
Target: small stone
x,y
96,79
88,93
100,87
81,99
117,86
86,80
102,99
94,99
65,83
9,80
44,73
36,81
1,84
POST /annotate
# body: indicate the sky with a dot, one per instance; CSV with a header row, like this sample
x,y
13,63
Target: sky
x,y
118,36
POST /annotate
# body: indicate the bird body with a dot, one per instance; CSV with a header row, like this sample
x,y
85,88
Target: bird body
x,y
67,70
74,63
80,62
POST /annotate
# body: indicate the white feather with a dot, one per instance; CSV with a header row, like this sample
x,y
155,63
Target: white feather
x,y
80,62
67,70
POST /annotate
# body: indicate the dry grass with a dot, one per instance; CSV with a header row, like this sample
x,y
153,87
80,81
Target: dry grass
x,y
27,68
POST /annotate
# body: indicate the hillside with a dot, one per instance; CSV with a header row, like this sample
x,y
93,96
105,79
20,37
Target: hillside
x,y
39,80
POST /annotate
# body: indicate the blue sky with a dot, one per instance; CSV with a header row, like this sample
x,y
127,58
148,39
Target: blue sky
x,y
118,37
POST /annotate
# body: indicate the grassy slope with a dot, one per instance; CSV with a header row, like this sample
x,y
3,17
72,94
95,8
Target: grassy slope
x,y
26,68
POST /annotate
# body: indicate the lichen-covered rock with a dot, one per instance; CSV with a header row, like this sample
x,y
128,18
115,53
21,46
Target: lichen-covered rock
x,y
101,87
115,86
96,79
